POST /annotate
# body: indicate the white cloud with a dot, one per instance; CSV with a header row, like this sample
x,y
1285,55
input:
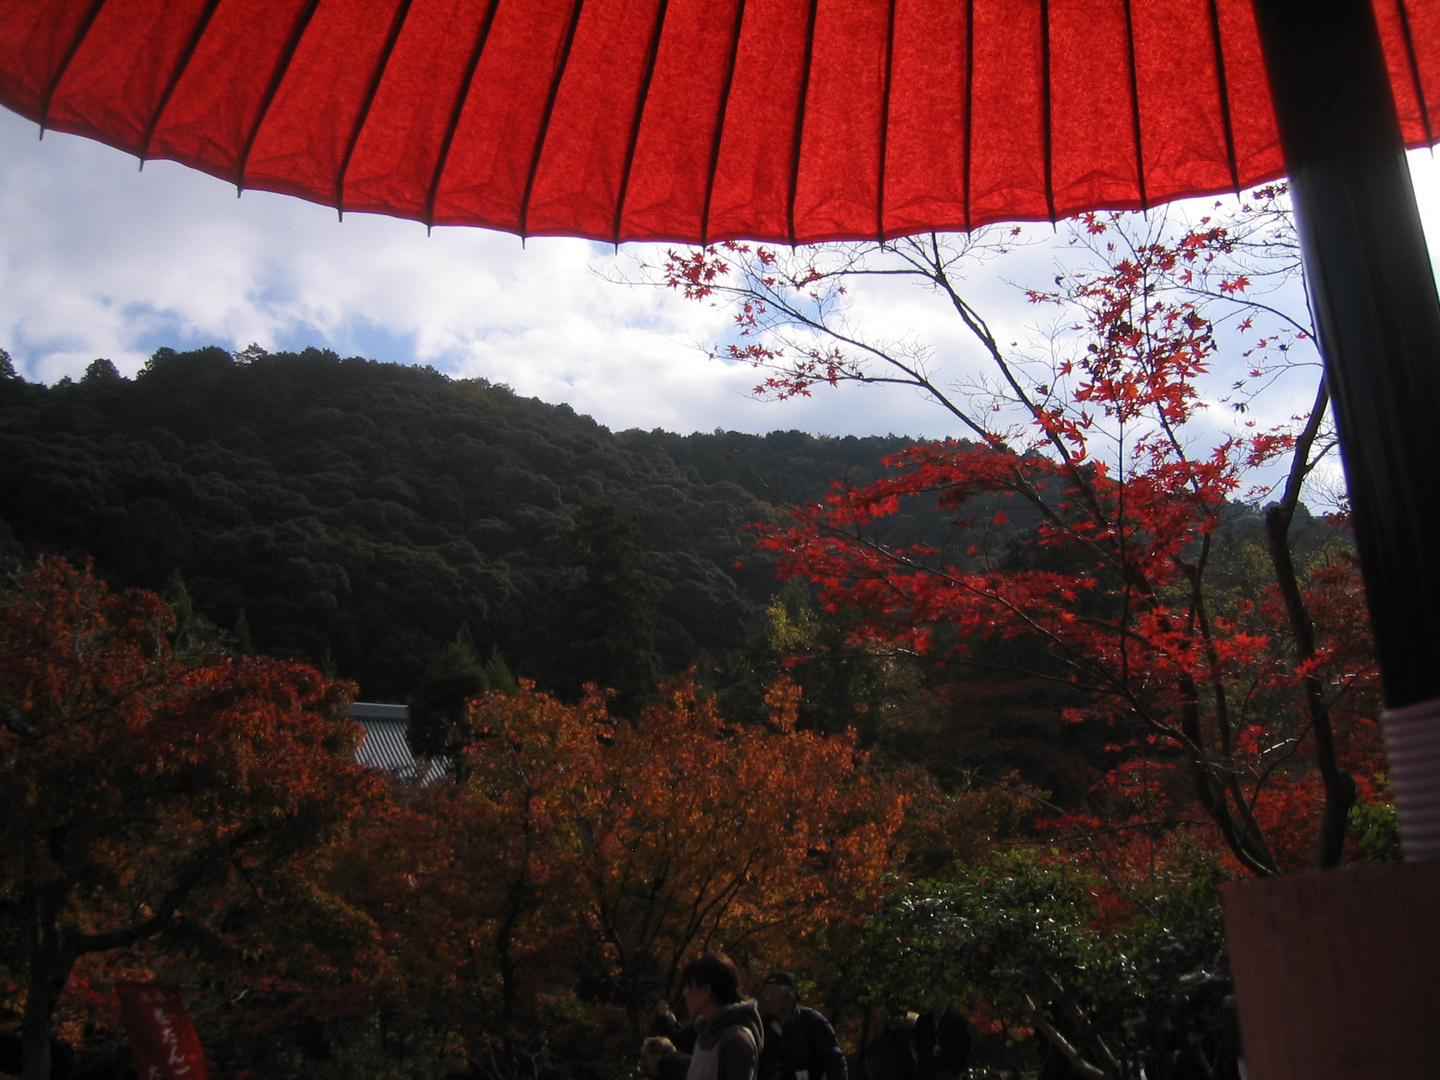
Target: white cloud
x,y
100,259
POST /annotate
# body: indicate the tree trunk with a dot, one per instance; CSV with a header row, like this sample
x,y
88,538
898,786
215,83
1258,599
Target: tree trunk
x,y
51,962
1340,790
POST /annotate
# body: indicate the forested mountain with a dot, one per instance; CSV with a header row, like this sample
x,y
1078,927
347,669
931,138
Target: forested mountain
x,y
357,514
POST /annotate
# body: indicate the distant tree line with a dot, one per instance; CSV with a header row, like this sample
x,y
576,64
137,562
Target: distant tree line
x,y
357,515
432,538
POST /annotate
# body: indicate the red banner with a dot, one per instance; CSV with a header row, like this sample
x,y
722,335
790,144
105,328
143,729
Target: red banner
x,y
161,1036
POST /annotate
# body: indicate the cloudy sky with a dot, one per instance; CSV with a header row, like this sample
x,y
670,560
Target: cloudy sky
x,y
99,258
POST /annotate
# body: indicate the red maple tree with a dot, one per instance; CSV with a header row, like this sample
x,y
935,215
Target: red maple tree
x,y
1118,480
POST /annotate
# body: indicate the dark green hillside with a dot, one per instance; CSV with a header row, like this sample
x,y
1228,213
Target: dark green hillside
x,y
366,517
357,514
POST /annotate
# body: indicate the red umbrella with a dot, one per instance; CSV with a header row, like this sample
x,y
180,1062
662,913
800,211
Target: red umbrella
x,y
789,120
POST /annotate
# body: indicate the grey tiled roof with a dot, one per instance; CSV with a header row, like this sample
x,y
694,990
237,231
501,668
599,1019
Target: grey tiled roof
x,y
385,747
372,710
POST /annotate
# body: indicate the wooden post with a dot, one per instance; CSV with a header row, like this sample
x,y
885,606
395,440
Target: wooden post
x,y
1338,973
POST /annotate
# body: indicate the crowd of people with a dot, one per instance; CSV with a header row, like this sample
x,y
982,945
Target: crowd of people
x,y
774,1037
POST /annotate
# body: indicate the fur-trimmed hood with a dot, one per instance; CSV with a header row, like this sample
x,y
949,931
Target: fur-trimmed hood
x,y
743,1014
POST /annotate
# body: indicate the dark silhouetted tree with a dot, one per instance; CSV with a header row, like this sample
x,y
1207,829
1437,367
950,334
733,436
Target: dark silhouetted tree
x,y
135,799
603,616
101,371
457,675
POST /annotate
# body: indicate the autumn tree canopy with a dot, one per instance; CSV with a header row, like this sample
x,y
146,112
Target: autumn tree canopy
x,y
579,849
138,777
1120,455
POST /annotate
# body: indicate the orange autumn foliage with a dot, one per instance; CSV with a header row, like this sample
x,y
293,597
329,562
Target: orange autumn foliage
x,y
139,777
581,850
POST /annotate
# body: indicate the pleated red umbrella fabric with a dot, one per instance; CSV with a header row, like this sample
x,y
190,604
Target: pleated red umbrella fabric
x,y
781,120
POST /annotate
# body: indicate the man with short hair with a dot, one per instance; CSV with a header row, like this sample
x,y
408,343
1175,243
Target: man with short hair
x,y
800,1044
728,1030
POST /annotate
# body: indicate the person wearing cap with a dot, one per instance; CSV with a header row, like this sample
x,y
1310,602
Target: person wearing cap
x,y
800,1044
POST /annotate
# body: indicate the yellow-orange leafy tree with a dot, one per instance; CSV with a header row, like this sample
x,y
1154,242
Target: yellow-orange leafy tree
x,y
583,859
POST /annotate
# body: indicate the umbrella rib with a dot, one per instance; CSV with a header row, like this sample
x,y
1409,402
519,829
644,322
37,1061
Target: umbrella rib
x,y
459,107
201,25
720,123
276,78
60,71
1048,107
1414,63
549,112
402,12
650,61
800,121
1135,107
969,105
1224,88
885,125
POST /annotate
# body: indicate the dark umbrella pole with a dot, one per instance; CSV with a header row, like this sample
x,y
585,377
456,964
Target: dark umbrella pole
x,y
1378,317
1335,971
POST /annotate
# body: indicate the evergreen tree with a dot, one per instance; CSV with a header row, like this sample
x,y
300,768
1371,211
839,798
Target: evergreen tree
x,y
844,684
189,631
101,371
457,675
603,617
244,645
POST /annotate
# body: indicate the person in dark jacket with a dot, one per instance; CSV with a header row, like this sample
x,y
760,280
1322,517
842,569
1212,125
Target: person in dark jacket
x,y
942,1041
800,1044
892,1055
